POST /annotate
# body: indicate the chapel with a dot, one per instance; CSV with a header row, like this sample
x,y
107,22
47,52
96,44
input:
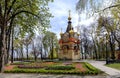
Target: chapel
x,y
69,43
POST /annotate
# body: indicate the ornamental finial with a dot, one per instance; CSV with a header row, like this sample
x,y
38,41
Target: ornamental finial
x,y
69,13
69,18
61,29
61,32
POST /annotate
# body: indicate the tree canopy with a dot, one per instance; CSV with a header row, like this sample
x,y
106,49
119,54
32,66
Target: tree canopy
x,y
22,16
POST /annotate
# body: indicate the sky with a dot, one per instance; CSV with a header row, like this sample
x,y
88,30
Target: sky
x,y
59,9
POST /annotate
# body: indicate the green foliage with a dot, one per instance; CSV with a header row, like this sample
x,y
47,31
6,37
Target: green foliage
x,y
50,43
92,69
54,53
115,11
20,63
30,67
30,23
60,68
89,6
52,71
27,14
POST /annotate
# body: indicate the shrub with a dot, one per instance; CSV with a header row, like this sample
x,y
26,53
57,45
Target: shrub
x,y
55,69
30,67
90,67
20,63
60,68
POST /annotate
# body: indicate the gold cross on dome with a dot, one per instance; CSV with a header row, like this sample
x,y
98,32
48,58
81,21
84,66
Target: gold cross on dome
x,y
69,12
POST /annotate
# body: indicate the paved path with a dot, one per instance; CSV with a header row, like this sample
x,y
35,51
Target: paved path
x,y
107,70
3,75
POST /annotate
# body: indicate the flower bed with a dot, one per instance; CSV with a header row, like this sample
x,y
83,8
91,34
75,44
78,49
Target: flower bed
x,y
67,63
10,67
36,65
79,68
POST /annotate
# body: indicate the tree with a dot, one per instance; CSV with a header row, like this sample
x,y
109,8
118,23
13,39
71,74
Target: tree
x,y
94,39
39,45
16,48
91,7
18,11
27,42
54,53
108,16
115,13
50,42
108,24
35,51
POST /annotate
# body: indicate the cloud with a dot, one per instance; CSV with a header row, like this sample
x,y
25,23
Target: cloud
x,y
87,21
59,9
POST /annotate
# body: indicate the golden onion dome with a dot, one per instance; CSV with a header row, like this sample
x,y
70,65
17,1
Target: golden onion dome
x,y
71,31
61,33
78,34
69,18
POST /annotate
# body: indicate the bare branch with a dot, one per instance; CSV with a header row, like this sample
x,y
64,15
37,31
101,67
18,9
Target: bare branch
x,y
108,8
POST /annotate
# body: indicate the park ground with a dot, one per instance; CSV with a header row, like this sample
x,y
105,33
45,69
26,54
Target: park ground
x,y
109,73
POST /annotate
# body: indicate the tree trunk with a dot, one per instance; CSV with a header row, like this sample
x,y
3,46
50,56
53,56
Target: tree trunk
x,y
45,54
27,52
85,47
34,52
103,51
9,38
35,56
112,46
8,47
52,50
21,52
82,51
117,39
3,25
95,50
6,54
112,50
12,59
119,45
41,52
2,49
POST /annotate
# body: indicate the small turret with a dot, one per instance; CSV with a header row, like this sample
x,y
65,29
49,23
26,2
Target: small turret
x,y
61,33
78,34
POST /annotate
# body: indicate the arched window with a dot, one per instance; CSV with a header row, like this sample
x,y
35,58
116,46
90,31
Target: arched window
x,y
76,50
65,49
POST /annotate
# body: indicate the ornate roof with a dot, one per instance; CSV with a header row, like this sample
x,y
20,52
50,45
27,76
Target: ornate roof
x,y
69,27
69,35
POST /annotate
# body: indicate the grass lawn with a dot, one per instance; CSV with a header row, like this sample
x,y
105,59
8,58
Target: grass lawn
x,y
79,68
115,65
